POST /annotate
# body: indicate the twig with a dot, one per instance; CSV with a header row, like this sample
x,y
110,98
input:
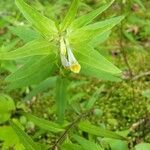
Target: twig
x,y
122,50
141,75
122,47
61,138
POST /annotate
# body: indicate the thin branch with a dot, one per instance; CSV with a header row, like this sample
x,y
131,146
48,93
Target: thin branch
x,y
62,137
122,46
122,49
141,75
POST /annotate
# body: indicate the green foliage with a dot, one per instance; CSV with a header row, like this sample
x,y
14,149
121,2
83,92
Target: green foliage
x,y
91,129
116,144
41,69
46,84
44,25
142,146
28,76
94,64
71,146
33,48
70,15
61,98
87,144
6,107
27,35
9,138
26,140
146,93
90,32
89,105
44,124
88,18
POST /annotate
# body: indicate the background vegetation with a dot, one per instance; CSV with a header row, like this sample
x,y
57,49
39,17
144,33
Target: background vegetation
x,y
93,105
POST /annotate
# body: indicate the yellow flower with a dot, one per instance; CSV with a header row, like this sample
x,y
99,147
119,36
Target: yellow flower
x,y
75,68
68,60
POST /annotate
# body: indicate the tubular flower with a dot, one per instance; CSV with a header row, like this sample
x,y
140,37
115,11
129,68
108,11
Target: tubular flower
x,y
68,59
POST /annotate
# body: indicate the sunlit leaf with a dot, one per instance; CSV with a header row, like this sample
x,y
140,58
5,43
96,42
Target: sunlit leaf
x,y
25,33
93,98
44,124
94,64
87,144
61,98
146,93
25,139
142,146
98,131
116,144
33,72
92,31
33,48
70,15
9,141
44,25
46,84
86,19
7,105
71,146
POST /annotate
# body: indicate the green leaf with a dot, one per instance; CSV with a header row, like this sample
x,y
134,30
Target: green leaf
x,y
141,4
44,25
25,33
33,72
70,15
142,146
9,141
86,144
146,93
33,48
99,39
48,83
116,144
89,32
98,131
44,124
61,98
6,106
93,98
25,139
88,18
94,64
71,146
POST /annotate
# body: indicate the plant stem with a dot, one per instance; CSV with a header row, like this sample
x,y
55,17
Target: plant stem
x,y
62,137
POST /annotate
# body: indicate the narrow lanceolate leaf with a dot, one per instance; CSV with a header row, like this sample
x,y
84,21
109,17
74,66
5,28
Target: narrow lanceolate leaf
x,y
44,124
44,85
89,105
99,39
33,48
71,146
88,18
70,15
44,25
89,32
87,144
61,98
94,64
91,129
33,72
25,33
25,139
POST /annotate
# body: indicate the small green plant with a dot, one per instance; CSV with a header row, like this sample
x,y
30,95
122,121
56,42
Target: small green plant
x,y
71,42
57,51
